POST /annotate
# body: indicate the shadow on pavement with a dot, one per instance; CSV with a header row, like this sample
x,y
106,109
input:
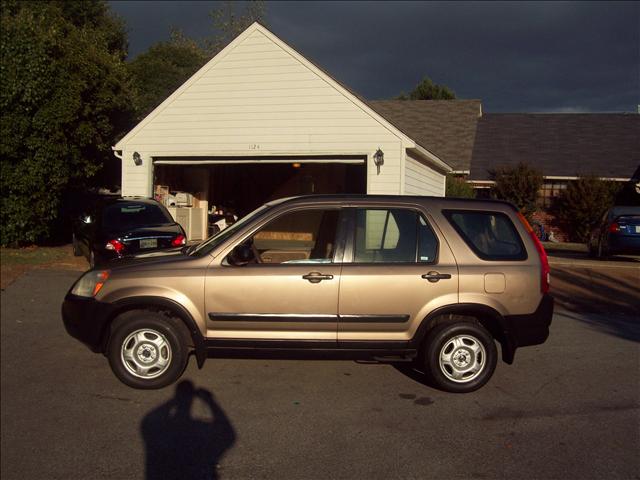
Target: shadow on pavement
x,y
608,301
627,327
179,446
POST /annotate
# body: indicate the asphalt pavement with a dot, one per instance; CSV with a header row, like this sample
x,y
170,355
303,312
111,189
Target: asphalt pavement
x,y
567,409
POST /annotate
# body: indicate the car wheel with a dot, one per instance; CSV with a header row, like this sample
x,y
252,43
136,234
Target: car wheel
x,y
148,350
76,247
460,357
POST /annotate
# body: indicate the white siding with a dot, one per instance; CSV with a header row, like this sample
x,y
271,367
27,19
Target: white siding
x,y
420,179
136,179
259,97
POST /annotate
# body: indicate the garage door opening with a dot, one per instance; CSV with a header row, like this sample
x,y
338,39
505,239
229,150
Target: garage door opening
x,y
241,187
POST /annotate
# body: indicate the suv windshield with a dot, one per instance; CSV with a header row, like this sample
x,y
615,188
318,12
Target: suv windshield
x,y
212,242
124,215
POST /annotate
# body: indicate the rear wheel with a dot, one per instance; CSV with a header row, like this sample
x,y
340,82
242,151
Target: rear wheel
x,y
148,350
460,357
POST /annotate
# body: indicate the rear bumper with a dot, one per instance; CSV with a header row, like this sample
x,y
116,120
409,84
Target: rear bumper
x,y
532,329
629,244
85,319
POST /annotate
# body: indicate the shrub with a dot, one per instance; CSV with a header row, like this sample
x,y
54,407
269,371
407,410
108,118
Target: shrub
x,y
579,207
457,187
518,185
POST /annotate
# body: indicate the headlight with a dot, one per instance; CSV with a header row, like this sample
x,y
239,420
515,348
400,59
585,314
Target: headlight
x,y
90,283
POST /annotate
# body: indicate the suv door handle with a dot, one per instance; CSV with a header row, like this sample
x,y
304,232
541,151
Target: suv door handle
x,y
433,277
317,277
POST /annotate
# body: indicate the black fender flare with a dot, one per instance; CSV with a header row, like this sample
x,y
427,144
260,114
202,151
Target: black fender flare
x,y
488,316
132,303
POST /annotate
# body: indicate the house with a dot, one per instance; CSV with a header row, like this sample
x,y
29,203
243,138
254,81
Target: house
x,y
259,121
562,146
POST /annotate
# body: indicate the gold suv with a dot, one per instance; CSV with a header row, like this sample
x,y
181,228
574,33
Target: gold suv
x,y
436,281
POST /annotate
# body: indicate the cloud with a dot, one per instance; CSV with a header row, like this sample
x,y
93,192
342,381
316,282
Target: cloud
x,y
515,56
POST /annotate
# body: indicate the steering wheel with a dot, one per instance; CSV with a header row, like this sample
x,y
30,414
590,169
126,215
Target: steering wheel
x,y
256,254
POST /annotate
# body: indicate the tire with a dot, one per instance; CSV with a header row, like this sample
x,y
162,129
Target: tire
x,y
76,247
459,357
602,253
148,350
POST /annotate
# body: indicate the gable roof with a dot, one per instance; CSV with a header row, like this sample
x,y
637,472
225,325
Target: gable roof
x,y
444,127
330,81
563,145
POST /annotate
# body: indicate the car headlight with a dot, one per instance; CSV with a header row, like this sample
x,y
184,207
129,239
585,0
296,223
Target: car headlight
x,y
90,283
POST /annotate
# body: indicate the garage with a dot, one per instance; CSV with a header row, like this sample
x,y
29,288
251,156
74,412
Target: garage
x,y
245,184
258,122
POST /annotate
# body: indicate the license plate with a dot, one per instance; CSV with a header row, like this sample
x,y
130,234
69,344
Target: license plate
x,y
149,243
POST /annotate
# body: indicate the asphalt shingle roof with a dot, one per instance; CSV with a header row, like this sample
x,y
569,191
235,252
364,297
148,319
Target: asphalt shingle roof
x,y
572,144
446,128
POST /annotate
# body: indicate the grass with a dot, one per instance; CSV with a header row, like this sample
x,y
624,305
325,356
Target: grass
x,y
565,247
16,261
31,255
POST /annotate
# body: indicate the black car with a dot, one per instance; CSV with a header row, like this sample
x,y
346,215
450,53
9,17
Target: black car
x,y
617,233
117,227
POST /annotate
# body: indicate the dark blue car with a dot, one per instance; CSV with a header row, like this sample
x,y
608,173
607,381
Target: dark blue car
x,y
617,233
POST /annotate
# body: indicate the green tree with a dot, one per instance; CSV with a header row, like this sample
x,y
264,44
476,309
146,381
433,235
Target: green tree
x,y
580,206
518,185
163,68
159,71
230,19
427,90
457,187
65,98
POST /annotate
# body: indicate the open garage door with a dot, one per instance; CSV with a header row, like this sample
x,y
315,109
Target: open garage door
x,y
241,185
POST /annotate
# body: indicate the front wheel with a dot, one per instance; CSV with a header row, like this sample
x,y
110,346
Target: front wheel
x,y
460,357
147,350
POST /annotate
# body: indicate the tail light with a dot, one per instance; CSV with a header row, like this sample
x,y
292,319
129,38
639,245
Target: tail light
x,y
116,245
614,227
179,240
545,279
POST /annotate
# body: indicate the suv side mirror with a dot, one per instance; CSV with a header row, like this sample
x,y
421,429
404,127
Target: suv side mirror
x,y
241,255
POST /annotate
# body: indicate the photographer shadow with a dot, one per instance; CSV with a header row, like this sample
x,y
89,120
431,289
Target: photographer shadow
x,y
179,446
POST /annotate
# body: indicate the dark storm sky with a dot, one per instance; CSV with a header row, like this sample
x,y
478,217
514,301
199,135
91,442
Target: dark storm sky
x,y
516,57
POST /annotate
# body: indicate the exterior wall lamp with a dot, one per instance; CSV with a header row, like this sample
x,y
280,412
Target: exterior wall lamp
x,y
137,159
378,159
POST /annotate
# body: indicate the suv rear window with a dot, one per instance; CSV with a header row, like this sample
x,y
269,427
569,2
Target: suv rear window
x,y
491,235
132,214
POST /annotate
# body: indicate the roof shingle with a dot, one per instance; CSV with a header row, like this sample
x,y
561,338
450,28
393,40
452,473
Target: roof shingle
x,y
446,128
568,145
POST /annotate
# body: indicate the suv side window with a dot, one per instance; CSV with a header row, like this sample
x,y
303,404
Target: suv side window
x,y
491,235
303,236
393,236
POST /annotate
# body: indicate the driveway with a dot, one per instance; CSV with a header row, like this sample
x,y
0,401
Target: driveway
x,y
583,284
568,408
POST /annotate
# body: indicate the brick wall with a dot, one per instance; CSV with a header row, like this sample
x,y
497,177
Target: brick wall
x,y
547,221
